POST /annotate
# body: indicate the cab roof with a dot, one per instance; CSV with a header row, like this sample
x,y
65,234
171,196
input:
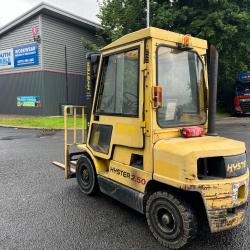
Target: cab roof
x,y
156,33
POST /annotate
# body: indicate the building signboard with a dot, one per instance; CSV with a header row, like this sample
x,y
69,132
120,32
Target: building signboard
x,y
26,55
6,59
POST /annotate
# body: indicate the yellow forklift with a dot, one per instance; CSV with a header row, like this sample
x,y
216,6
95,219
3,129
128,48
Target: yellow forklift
x,y
151,141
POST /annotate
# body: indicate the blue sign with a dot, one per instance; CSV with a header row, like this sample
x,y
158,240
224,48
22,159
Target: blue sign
x,y
26,55
29,101
244,77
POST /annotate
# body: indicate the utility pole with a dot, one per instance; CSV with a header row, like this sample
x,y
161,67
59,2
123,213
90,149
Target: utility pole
x,y
147,13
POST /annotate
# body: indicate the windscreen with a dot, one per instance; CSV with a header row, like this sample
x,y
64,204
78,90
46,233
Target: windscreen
x,y
181,76
243,88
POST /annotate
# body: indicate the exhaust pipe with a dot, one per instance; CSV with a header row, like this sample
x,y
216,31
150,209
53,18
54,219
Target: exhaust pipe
x,y
212,84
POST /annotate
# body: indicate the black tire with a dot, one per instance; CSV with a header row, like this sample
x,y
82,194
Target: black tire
x,y
170,219
86,176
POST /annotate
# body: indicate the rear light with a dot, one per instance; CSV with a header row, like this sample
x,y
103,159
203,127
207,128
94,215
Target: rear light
x,y
192,132
157,97
236,101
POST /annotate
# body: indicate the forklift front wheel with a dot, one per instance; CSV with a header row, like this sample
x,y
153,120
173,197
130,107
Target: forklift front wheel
x,y
86,176
170,219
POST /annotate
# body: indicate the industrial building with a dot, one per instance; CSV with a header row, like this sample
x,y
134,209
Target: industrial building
x,y
42,61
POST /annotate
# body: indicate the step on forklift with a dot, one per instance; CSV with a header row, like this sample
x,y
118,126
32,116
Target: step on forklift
x,y
151,142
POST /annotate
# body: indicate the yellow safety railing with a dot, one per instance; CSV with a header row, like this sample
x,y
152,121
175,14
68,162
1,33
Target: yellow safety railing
x,y
77,113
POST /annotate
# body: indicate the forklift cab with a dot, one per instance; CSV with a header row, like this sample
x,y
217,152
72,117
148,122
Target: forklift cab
x,y
147,88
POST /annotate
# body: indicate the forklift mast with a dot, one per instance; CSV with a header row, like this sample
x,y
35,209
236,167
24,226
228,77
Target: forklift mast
x,y
92,64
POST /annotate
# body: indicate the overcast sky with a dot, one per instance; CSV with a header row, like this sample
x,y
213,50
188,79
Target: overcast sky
x,y
11,9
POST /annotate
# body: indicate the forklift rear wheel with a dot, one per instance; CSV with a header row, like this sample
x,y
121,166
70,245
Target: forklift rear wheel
x,y
170,219
86,176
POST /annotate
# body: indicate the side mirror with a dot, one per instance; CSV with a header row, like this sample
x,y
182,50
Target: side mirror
x,y
157,97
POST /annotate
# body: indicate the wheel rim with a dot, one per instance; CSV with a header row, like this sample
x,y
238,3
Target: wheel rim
x,y
166,220
85,177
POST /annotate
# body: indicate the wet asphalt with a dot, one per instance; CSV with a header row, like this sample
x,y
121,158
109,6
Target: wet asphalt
x,y
40,210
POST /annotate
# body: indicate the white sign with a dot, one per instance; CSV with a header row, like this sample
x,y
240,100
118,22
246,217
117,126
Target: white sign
x,y
6,59
171,110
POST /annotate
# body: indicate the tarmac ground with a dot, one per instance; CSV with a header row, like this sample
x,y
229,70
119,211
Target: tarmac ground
x,y
41,210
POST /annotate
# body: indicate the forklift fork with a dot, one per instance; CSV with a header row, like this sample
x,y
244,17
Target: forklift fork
x,y
70,159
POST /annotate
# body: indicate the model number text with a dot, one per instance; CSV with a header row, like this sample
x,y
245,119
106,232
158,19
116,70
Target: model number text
x,y
125,174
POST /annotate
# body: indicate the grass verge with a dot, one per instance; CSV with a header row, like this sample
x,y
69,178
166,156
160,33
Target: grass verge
x,y
41,122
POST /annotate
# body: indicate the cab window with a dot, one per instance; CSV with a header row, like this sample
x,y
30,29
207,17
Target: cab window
x,y
118,92
181,75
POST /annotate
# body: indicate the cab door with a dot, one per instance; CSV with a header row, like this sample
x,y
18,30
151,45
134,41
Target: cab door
x,y
117,114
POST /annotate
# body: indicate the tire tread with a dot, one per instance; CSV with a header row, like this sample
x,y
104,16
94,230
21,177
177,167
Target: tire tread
x,y
190,225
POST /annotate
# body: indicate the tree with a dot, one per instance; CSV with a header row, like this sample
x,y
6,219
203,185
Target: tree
x,y
225,23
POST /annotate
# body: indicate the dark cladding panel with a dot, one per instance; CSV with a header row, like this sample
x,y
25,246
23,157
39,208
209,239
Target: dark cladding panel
x,y
49,86
55,92
76,90
21,84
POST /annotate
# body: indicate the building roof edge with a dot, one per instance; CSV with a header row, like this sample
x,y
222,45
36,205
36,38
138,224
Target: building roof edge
x,y
51,11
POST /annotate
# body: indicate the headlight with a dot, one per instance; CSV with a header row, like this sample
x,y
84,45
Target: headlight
x,y
222,167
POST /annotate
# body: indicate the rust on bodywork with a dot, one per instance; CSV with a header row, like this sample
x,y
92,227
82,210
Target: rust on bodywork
x,y
220,220
225,206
